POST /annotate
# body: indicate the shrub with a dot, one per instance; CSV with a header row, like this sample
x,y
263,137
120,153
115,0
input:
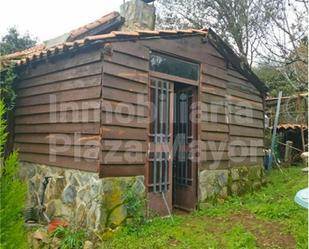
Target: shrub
x,y
12,196
135,205
71,238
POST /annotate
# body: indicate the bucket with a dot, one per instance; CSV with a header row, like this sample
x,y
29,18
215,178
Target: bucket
x,y
54,224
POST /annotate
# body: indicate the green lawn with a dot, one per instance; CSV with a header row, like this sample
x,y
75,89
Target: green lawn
x,y
268,218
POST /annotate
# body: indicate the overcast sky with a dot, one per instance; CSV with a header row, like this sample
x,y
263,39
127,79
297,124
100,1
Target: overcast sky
x,y
49,19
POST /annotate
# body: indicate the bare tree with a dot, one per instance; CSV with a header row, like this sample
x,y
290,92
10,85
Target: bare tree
x,y
238,22
285,43
270,33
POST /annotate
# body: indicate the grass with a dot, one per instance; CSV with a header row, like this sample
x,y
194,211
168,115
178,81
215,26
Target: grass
x,y
268,218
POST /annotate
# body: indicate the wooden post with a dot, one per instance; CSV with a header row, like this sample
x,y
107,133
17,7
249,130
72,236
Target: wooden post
x,y
273,139
302,137
299,111
288,152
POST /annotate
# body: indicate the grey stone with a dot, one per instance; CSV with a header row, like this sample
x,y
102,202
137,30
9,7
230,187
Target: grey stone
x,y
27,172
54,208
223,192
84,194
68,211
213,183
88,245
79,197
41,235
256,185
107,185
91,217
235,188
81,214
222,179
235,175
55,243
50,208
138,187
55,187
69,194
84,179
74,181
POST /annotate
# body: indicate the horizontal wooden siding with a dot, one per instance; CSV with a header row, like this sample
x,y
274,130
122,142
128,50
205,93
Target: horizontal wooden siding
x,y
124,117
57,118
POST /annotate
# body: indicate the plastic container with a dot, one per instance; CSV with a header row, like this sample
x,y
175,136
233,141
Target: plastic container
x,y
54,224
302,197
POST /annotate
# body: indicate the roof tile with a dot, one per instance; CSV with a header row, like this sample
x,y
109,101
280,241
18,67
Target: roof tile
x,y
113,35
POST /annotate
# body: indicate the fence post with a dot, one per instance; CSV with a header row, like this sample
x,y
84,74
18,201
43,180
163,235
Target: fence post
x,y
288,152
273,140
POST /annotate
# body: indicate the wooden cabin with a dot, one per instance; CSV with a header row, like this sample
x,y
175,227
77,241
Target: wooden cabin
x,y
173,106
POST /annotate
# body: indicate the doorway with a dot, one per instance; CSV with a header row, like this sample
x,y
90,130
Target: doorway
x,y
172,170
184,135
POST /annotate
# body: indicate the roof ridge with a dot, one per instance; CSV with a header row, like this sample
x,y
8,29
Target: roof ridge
x,y
80,30
102,37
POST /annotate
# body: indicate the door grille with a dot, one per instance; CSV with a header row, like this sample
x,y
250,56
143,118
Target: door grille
x,y
183,138
160,136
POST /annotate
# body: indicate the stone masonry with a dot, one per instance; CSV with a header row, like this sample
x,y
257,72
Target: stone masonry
x,y
218,184
79,197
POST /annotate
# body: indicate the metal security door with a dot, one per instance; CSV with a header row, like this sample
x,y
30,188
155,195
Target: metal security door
x,y
184,163
160,147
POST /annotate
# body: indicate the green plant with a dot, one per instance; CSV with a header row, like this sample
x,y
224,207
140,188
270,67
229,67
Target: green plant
x,y
14,41
3,132
71,238
12,196
7,93
239,238
135,205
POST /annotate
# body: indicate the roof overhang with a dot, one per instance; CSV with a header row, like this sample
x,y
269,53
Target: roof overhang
x,y
242,67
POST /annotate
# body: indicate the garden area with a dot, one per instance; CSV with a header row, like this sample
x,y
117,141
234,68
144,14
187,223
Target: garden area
x,y
268,218
157,104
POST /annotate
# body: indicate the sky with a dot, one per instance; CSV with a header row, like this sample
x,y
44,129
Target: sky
x,y
48,19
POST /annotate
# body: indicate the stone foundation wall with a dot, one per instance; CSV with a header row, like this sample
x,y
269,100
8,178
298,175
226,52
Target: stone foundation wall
x,y
218,184
79,197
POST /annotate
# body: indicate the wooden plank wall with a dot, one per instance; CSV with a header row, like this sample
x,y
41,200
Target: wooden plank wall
x,y
125,77
232,117
246,117
214,113
71,126
230,136
117,89
124,119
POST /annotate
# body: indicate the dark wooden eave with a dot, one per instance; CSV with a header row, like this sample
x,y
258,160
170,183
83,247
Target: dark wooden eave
x,y
108,26
242,67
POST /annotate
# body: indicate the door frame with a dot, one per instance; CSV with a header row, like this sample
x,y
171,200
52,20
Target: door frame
x,y
154,198
156,203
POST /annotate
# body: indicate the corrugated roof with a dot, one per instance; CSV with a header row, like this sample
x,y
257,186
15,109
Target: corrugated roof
x,y
292,126
302,94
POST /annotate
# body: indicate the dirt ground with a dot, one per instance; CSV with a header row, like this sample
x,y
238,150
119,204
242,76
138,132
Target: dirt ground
x,y
267,234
